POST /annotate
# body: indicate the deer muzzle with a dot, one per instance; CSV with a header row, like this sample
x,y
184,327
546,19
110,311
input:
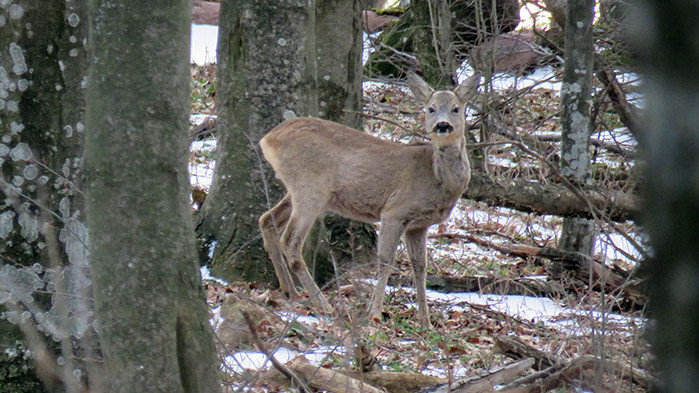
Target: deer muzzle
x,y
443,128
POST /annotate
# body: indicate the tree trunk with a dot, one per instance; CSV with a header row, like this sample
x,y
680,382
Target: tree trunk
x,y
153,321
338,33
262,80
42,121
577,234
436,36
671,143
307,64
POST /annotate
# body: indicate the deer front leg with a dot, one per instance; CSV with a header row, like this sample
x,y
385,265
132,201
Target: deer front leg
x,y
292,241
415,243
389,236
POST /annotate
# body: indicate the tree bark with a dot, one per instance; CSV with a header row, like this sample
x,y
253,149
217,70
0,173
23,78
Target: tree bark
x,y
338,32
41,122
149,304
577,234
671,210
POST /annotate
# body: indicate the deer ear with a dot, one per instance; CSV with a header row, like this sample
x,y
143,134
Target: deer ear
x,y
468,88
419,87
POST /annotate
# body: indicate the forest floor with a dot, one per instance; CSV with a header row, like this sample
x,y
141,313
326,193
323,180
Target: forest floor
x,y
504,297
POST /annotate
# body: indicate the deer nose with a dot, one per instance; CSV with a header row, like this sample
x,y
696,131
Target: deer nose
x,y
443,127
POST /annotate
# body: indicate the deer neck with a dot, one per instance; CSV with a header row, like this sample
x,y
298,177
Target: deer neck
x,y
451,167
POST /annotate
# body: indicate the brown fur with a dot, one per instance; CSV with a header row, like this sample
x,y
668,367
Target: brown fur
x,y
326,166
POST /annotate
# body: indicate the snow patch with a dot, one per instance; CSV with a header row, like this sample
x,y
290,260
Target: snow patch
x,y
206,275
204,40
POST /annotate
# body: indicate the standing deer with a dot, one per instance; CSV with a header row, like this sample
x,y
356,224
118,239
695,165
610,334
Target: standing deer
x,y
326,166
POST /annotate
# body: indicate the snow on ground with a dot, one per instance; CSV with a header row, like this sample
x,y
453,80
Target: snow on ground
x,y
249,360
201,173
206,275
204,39
542,78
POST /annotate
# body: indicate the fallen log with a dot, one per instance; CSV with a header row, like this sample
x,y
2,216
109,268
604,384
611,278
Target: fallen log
x,y
396,382
515,348
347,380
485,383
555,199
497,285
326,379
551,378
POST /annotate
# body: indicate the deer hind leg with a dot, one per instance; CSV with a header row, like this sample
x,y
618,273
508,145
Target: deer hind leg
x,y
303,215
415,243
272,223
389,236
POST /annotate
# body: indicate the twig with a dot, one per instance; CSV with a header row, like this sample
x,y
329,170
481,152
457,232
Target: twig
x,y
9,189
276,363
627,112
389,121
47,368
59,300
411,59
611,147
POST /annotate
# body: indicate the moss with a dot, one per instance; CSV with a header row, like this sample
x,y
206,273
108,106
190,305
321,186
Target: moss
x,y
17,373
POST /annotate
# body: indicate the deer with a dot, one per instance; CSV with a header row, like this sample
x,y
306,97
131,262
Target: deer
x,y
329,167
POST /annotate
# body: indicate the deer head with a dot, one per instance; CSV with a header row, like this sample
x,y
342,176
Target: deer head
x,y
445,120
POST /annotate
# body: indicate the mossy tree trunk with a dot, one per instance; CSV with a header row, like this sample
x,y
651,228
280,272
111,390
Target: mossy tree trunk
x,y
276,60
670,142
435,36
41,121
42,66
578,234
262,80
153,322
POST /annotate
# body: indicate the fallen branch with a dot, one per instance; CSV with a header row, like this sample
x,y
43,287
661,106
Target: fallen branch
x,y
487,382
498,285
595,211
396,382
628,114
553,373
548,379
326,379
515,348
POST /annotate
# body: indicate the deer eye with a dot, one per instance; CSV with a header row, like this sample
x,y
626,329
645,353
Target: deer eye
x,y
455,110
430,110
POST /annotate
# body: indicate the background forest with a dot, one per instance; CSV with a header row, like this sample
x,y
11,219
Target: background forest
x,y
125,169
